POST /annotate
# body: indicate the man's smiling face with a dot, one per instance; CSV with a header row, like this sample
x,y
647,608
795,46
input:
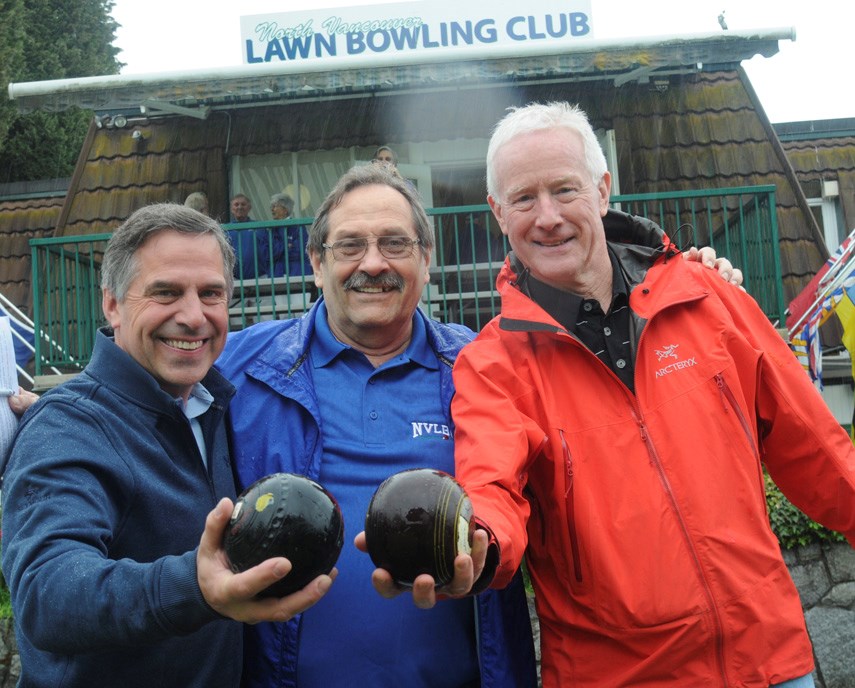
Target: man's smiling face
x,y
373,294
174,318
550,208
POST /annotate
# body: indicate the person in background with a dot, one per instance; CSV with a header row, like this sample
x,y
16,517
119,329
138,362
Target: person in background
x,y
240,206
353,392
113,476
385,156
249,244
289,252
198,201
612,426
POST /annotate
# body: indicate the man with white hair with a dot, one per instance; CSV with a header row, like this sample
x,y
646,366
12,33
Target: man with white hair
x,y
612,426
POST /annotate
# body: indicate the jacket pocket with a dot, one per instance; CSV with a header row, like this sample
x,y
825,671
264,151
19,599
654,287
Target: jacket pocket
x,y
570,506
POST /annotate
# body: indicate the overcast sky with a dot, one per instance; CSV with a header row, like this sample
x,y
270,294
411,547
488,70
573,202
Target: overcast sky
x,y
810,78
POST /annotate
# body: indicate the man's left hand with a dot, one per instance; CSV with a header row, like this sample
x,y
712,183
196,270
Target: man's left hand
x,y
707,257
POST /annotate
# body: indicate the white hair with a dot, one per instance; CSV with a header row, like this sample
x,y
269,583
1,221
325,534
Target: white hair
x,y
537,116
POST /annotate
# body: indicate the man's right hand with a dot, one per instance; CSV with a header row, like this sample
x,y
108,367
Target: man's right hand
x,y
467,569
233,594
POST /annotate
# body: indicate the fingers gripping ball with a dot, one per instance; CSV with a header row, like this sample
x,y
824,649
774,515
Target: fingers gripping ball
x,y
418,521
285,515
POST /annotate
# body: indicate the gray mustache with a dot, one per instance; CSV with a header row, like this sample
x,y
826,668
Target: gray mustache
x,y
360,280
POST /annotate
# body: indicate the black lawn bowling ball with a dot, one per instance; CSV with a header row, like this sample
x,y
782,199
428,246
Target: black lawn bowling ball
x,y
418,521
285,515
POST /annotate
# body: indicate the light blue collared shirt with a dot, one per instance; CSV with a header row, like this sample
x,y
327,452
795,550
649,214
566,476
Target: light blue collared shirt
x,y
199,402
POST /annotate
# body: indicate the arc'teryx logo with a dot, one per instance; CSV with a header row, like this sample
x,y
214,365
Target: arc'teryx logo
x,y
670,351
430,430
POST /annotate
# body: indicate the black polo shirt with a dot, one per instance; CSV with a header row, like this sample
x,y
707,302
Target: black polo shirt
x,y
607,335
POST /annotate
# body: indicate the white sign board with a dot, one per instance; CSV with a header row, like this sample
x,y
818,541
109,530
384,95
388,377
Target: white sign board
x,y
427,27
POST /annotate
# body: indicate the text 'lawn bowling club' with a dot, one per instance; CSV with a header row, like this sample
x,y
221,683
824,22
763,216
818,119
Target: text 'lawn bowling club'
x,y
285,515
418,521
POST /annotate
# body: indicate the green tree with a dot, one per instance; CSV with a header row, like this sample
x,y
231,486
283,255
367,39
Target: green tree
x,y
12,52
49,39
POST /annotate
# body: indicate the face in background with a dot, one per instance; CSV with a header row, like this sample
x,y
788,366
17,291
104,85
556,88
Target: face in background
x,y
279,212
551,210
240,207
174,318
382,309
384,157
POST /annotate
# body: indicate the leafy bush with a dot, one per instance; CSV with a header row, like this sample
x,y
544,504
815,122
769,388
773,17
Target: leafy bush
x,y
5,601
792,528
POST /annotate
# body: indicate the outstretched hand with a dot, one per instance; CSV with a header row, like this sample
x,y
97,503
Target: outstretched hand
x,y
233,594
467,569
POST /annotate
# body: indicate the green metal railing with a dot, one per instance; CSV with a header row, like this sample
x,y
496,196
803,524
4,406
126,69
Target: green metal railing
x,y
739,223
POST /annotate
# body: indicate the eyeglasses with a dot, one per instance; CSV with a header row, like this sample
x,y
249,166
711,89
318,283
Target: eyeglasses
x,y
392,247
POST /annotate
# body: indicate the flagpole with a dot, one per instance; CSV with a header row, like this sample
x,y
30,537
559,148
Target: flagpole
x,y
833,272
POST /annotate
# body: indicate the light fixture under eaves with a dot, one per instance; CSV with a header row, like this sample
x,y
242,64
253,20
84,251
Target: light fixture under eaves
x,y
120,121
153,106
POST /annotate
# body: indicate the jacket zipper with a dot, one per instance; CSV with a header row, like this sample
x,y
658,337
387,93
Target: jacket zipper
x,y
729,402
656,462
570,503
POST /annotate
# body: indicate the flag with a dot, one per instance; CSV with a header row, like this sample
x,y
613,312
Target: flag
x,y
805,342
845,312
806,298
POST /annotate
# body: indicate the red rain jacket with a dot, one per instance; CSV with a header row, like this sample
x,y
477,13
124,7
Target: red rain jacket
x,y
643,516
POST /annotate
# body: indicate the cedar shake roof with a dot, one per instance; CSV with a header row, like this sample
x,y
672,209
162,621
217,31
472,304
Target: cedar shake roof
x,y
824,151
697,131
22,219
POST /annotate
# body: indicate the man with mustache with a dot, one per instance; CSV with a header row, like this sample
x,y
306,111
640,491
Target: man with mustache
x,y
356,390
336,396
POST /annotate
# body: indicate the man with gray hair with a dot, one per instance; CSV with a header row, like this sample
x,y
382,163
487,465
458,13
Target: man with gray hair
x,y
336,396
612,426
114,475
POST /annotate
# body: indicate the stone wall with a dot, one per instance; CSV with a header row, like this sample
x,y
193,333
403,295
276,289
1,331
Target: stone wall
x,y
824,575
10,664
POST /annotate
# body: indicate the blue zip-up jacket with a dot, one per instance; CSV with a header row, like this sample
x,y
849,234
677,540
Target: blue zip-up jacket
x,y
276,426
105,497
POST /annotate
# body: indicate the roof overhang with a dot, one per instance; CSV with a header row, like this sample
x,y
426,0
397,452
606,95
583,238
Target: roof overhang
x,y
619,61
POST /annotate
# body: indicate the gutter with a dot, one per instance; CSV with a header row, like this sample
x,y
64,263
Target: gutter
x,y
396,59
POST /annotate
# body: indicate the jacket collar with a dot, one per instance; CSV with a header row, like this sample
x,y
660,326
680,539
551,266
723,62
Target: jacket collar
x,y
636,242
290,347
136,384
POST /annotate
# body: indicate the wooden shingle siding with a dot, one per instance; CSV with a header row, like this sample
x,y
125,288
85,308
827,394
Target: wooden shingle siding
x,y
20,221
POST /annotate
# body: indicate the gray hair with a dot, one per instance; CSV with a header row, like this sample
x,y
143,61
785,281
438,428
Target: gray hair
x,y
196,200
537,116
284,200
391,151
120,266
368,175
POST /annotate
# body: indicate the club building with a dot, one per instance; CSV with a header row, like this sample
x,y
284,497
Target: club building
x,y
687,141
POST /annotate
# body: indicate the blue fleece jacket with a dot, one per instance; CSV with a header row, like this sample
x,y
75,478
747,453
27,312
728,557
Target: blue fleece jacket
x,y
105,497
275,425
